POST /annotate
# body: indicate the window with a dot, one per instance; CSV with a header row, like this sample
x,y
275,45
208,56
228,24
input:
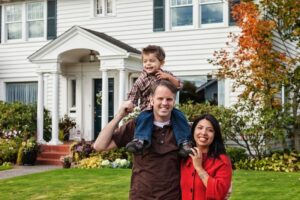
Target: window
x,y
182,12
159,15
13,21
29,20
231,4
73,93
211,11
199,89
35,20
187,14
104,7
25,92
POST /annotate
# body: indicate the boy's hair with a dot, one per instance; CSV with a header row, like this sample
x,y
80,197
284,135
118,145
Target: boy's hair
x,y
164,83
157,50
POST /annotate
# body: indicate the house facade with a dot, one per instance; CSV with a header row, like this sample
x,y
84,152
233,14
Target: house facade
x,y
65,55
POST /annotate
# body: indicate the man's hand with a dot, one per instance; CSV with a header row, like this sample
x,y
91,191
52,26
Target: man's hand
x,y
126,108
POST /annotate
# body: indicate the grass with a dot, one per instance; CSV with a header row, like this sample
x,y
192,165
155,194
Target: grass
x,y
113,184
5,167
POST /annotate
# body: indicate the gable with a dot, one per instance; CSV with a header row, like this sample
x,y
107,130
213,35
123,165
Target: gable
x,y
80,38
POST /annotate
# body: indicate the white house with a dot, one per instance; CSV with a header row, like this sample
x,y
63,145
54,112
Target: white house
x,y
61,53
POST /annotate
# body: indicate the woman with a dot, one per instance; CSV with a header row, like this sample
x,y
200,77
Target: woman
x,y
206,174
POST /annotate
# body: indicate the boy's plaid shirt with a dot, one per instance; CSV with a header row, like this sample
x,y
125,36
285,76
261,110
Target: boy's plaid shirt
x,y
141,89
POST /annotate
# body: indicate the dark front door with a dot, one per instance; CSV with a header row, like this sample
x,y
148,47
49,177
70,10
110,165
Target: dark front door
x,y
97,107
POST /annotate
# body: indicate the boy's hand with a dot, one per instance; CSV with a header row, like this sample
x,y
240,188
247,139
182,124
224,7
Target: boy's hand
x,y
162,75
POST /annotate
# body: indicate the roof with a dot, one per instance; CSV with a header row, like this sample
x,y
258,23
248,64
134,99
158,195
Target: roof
x,y
113,41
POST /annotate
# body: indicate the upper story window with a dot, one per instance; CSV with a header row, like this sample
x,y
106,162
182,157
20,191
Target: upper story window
x,y
13,21
182,12
35,20
105,7
28,21
211,11
186,14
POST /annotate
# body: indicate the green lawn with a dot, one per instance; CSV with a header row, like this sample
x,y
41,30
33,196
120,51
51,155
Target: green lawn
x,y
5,167
108,184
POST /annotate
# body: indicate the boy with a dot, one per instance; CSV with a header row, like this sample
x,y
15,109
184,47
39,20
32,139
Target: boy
x,y
153,59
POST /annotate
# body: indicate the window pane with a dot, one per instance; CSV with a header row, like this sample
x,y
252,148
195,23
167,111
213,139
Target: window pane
x,y
199,89
22,92
73,93
99,7
13,13
35,11
14,31
158,3
182,16
109,6
212,13
35,29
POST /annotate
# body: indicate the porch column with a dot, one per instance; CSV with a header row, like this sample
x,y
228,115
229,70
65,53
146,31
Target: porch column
x,y
122,82
40,109
104,112
54,140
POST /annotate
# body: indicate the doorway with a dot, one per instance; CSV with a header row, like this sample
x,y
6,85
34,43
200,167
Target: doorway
x,y
98,106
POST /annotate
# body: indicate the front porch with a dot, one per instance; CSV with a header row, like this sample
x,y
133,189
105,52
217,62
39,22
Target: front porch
x,y
68,79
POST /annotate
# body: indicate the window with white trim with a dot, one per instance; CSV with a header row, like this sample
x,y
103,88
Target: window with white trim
x,y
211,11
187,14
25,92
35,19
25,21
181,13
13,21
104,7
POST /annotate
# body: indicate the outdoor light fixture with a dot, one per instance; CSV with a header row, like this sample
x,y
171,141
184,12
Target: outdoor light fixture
x,y
92,56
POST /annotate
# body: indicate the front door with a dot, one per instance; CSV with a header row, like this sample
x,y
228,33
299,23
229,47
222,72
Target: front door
x,y
97,103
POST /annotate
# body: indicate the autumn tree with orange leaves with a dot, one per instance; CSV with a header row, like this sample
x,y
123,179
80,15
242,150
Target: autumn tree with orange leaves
x,y
251,61
286,15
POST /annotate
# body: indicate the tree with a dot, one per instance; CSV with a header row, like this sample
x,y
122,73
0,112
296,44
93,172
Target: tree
x,y
286,15
260,70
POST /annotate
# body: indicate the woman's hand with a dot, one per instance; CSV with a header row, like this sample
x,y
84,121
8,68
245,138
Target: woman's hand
x,y
197,158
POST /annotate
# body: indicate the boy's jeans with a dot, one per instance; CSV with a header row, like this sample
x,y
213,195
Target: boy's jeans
x,y
144,127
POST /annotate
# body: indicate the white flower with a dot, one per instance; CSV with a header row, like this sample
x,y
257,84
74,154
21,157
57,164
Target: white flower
x,y
105,163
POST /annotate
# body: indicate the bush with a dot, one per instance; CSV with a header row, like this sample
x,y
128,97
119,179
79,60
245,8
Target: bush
x,y
9,150
285,162
17,116
224,115
236,154
114,154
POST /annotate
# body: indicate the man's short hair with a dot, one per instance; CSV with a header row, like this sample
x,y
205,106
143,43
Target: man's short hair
x,y
157,50
165,83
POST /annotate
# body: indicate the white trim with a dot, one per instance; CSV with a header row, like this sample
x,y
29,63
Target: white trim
x,y
24,34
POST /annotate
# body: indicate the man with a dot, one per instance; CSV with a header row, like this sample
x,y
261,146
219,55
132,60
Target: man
x,y
155,172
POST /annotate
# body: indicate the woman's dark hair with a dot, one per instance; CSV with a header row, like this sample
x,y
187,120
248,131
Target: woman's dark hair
x,y
217,146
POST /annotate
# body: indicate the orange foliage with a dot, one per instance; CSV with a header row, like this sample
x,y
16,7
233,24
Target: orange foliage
x,y
253,63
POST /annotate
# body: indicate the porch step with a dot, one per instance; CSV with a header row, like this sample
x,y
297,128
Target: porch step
x,y
50,154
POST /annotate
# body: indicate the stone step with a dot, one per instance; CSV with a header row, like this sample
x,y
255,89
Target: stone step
x,y
50,154
55,148
47,161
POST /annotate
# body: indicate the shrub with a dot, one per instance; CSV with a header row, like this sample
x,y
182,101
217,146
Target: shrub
x,y
114,154
17,116
224,115
285,162
91,162
236,154
81,150
8,150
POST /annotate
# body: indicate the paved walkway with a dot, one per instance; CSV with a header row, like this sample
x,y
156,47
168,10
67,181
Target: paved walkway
x,y
23,170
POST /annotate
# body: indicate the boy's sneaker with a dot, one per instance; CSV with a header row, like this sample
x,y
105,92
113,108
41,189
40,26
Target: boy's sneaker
x,y
185,149
135,146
